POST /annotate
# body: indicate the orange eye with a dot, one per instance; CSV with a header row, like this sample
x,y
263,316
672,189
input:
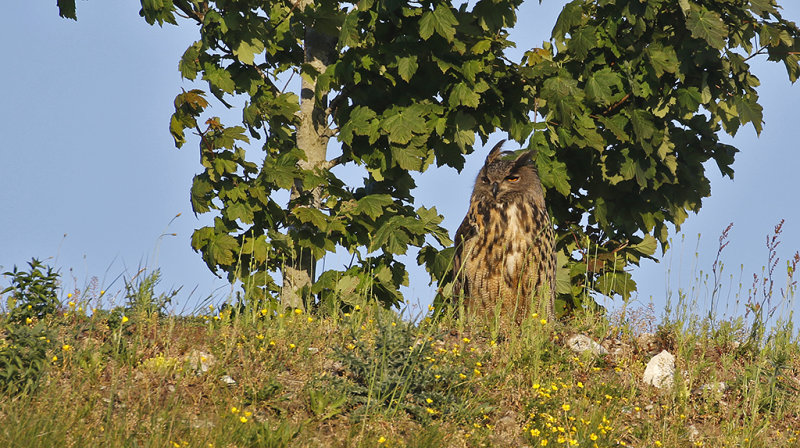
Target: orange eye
x,y
512,178
485,179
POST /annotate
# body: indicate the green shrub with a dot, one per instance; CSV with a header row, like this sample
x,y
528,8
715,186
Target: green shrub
x,y
23,358
141,297
33,293
402,370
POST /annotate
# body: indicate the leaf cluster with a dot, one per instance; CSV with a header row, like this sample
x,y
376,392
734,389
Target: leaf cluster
x,y
409,85
23,357
34,293
635,97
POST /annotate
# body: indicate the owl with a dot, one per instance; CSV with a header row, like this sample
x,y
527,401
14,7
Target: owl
x,y
505,257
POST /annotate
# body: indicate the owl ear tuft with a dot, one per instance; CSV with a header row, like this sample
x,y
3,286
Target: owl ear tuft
x,y
523,159
495,151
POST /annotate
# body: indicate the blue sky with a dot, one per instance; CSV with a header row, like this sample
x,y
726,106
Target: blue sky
x,y
86,153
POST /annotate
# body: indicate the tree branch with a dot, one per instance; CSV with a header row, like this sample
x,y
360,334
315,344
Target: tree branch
x,y
186,8
617,104
332,163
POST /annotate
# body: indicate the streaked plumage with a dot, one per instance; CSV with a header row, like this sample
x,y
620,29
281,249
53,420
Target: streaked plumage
x,y
505,247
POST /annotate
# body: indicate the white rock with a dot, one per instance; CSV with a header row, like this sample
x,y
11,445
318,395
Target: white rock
x,y
694,433
660,370
581,343
717,388
199,361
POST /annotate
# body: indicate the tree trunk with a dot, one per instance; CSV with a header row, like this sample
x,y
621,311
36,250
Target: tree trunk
x,y
312,139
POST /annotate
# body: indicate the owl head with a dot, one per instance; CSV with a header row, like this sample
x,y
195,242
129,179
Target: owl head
x,y
505,178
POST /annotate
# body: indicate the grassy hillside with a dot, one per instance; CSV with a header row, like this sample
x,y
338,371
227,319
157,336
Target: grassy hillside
x,y
132,376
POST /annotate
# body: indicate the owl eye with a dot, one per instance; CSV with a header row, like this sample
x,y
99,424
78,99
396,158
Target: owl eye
x,y
485,179
512,178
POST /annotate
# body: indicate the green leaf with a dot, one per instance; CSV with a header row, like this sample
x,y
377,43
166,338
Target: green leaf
x,y
647,247
482,46
685,7
616,283
222,249
246,51
217,248
373,205
441,20
349,35
553,173
582,41
202,193
281,172
598,87
239,211
750,112
464,135
402,125
463,95
190,64
218,77
407,158
762,7
362,121
689,99
437,262
616,124
663,59
406,67
390,237
66,9
311,215
642,125
563,277
707,25
570,17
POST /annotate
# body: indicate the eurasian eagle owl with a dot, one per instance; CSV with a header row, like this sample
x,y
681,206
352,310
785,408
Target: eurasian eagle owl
x,y
505,248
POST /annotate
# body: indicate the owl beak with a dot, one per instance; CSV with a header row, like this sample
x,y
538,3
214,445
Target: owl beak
x,y
495,188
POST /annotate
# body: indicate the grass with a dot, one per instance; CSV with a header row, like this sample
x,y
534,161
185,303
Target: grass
x,y
242,376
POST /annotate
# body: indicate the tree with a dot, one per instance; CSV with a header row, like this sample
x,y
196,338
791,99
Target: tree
x,y
623,106
635,96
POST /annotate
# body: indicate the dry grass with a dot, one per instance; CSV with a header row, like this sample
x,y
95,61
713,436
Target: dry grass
x,y
367,378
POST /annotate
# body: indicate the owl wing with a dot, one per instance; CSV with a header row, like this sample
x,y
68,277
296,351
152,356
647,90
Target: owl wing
x,y
465,232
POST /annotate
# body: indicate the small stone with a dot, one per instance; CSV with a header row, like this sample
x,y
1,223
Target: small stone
x,y
648,343
199,361
694,433
660,370
717,388
580,343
